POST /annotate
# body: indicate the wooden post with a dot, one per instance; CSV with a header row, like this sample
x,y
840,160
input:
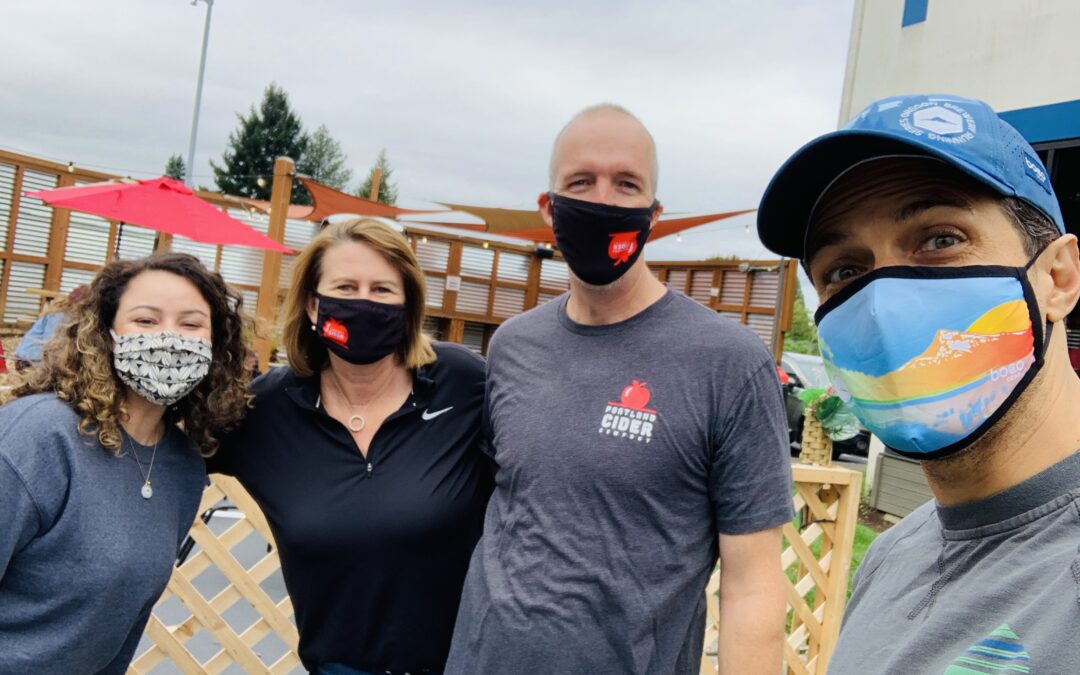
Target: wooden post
x,y
266,309
58,232
375,181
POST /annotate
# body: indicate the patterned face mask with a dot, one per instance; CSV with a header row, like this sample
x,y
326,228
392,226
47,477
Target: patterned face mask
x,y
932,357
161,367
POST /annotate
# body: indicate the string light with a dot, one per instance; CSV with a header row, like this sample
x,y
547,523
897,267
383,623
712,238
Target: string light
x,y
678,237
71,167
485,244
260,181
423,240
748,228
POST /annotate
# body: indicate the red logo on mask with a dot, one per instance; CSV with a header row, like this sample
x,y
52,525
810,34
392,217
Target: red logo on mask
x,y
336,332
622,246
635,396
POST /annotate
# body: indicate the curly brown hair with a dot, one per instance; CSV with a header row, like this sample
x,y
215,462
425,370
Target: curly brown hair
x,y
78,363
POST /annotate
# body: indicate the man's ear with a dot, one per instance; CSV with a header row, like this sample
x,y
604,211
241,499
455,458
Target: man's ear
x,y
1061,264
544,202
656,215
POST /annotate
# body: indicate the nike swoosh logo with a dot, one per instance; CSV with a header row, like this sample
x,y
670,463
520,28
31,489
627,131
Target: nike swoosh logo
x,y
432,415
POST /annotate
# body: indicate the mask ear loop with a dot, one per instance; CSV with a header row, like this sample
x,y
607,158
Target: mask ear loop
x,y
1042,327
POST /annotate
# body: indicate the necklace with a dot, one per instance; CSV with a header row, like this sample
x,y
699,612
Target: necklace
x,y
356,421
147,490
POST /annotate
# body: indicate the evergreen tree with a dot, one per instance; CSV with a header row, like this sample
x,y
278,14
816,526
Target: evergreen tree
x,y
175,168
264,135
387,191
803,337
324,161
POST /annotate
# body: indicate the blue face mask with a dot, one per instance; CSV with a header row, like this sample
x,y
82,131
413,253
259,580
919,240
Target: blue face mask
x,y
932,357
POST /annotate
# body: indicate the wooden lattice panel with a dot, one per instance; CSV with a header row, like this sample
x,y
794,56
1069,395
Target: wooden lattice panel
x,y
816,559
237,645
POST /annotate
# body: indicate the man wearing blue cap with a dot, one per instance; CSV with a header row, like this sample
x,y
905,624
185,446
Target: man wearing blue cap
x,y
931,232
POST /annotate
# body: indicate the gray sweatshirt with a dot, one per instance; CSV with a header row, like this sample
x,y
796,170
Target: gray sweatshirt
x,y
987,587
83,556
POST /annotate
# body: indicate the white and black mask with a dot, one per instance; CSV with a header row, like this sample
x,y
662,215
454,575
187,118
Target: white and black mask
x,y
161,367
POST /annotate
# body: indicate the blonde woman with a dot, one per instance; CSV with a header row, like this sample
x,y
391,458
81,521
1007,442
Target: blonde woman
x,y
366,458
101,460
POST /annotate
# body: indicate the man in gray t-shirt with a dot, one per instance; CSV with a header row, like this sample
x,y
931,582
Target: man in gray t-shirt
x,y
638,435
932,234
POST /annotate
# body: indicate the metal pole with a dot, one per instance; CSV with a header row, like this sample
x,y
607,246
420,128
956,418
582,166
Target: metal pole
x,y
198,95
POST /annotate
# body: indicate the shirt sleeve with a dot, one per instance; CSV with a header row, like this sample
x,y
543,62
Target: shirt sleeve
x,y
18,513
750,475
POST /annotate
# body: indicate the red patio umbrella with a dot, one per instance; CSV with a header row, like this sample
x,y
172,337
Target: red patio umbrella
x,y
161,204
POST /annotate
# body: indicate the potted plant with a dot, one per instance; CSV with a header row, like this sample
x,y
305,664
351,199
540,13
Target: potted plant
x,y
827,418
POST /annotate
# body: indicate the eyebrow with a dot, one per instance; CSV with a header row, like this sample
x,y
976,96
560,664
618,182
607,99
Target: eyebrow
x,y
919,206
157,310
388,282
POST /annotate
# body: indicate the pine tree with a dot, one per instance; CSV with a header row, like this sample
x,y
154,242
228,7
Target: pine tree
x,y
803,337
324,161
264,135
387,191
175,168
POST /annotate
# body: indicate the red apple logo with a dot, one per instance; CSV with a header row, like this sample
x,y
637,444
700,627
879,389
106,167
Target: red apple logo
x,y
622,246
635,396
336,332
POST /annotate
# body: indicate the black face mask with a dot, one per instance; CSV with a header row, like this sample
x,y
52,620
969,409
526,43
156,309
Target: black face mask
x,y
599,242
360,331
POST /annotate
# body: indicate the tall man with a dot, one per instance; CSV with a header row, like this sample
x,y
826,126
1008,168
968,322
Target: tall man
x,y
937,247
637,434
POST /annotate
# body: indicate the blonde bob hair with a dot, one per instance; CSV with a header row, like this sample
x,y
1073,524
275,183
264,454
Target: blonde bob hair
x,y
307,354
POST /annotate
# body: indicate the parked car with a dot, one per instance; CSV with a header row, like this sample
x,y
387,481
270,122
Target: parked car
x,y
806,371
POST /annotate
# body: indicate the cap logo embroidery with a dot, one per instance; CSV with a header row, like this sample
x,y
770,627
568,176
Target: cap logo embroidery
x,y
941,122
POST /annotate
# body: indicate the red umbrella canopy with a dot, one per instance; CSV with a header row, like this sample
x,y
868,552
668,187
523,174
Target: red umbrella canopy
x,y
161,204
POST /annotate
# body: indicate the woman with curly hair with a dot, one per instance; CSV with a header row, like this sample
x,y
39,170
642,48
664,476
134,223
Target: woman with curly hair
x,y
101,460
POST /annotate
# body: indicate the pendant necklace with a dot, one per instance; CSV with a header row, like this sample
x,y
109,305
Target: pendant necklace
x,y
147,490
356,421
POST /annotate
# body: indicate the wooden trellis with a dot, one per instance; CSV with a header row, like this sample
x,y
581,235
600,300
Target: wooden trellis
x,y
237,646
816,560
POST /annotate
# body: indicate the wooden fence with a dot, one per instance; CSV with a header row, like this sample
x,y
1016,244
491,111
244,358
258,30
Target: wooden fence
x,y
816,557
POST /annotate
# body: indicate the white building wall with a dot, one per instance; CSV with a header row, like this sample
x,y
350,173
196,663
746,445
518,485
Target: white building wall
x,y
1012,54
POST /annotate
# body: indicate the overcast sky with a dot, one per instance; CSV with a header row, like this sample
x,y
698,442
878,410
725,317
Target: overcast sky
x,y
466,97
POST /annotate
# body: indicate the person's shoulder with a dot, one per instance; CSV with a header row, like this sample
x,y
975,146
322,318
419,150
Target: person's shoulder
x,y
33,414
38,439
546,314
703,331
916,531
272,383
456,359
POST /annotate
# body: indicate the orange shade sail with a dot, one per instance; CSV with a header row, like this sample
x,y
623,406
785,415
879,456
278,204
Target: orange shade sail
x,y
520,223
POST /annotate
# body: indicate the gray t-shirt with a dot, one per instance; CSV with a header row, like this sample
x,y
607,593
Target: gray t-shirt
x,y
987,587
83,557
624,451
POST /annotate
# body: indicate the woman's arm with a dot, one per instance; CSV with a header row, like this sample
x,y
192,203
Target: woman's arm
x,y
18,513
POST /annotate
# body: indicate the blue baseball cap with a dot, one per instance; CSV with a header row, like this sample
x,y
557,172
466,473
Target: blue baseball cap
x,y
962,132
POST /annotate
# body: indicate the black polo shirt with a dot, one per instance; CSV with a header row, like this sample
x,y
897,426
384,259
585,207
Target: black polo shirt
x,y
374,551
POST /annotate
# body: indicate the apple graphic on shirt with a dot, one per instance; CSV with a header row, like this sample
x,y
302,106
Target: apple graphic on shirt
x,y
335,331
635,395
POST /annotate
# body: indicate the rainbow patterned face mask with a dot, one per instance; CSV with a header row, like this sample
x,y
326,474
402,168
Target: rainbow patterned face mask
x,y
932,357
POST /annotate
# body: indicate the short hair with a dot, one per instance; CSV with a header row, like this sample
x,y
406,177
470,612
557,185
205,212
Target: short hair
x,y
1036,229
654,174
307,354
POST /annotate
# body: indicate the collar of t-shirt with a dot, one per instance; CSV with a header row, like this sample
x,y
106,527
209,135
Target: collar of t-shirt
x,y
305,391
1025,502
609,328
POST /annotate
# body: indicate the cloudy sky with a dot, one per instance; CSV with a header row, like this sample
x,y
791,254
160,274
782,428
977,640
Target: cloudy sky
x,y
466,97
